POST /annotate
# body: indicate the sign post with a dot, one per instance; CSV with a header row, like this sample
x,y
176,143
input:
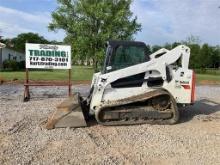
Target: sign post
x,y
43,56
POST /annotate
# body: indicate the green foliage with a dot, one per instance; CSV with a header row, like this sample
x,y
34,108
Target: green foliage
x,y
194,56
168,46
18,43
208,71
13,65
175,44
201,56
21,65
204,56
215,57
90,23
79,73
155,48
10,65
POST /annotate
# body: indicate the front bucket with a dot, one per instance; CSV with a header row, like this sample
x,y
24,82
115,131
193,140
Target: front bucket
x,y
68,114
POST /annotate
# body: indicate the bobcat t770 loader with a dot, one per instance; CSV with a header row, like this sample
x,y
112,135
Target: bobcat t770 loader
x,y
133,88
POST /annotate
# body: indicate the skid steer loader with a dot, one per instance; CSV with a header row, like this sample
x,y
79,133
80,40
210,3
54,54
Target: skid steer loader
x,y
132,88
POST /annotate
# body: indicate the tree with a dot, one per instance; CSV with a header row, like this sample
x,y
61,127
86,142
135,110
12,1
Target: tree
x,y
18,43
90,23
175,44
168,46
155,48
215,56
205,56
195,59
195,51
193,40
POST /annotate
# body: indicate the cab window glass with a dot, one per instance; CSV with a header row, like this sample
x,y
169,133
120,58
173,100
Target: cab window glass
x,y
126,56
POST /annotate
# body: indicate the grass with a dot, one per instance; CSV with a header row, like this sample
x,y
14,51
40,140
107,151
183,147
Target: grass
x,y
208,71
207,77
84,73
79,73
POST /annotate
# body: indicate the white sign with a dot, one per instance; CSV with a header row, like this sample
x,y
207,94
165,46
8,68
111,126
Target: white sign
x,y
48,56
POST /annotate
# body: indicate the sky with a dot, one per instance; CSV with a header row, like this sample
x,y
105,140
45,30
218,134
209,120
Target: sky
x,y
163,21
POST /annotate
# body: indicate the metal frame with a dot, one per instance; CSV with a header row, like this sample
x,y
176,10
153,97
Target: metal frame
x,y
27,84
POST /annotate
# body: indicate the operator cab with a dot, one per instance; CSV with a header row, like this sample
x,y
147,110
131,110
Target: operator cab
x,y
122,54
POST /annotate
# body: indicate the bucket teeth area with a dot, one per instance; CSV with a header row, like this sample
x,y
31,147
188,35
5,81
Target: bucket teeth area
x,y
68,114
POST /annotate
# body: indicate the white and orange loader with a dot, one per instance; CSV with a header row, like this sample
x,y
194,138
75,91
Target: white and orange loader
x,y
132,88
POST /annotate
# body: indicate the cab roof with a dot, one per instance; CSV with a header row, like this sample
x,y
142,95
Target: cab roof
x,y
115,43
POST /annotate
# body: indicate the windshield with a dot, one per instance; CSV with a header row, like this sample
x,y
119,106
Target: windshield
x,y
125,56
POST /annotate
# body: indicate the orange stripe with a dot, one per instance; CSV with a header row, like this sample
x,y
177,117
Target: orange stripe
x,y
186,86
193,87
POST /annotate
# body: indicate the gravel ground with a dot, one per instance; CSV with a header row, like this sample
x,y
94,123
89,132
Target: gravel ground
x,y
195,140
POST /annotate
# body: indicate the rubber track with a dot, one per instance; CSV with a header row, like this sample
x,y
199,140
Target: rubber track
x,y
142,97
